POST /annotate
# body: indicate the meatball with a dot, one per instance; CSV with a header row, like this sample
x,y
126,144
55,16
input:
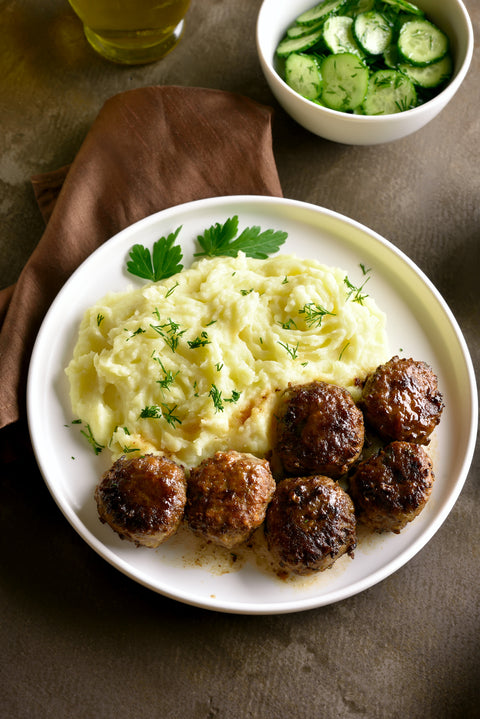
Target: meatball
x,y
227,497
391,489
319,430
401,400
142,498
310,523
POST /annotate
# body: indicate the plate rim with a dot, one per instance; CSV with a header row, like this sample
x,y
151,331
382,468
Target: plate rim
x,y
289,606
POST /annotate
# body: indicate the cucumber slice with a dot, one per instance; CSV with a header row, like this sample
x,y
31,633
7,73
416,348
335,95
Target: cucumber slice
x,y
302,74
298,44
338,35
302,30
320,11
389,92
365,56
420,42
404,6
432,75
372,32
390,56
345,81
355,7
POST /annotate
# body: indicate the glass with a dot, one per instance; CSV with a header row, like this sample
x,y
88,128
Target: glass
x,y
132,31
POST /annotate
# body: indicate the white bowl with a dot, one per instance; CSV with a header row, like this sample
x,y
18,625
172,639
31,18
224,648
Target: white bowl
x,y
276,16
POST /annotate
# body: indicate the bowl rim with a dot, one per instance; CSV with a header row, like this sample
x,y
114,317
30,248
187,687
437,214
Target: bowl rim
x,y
442,99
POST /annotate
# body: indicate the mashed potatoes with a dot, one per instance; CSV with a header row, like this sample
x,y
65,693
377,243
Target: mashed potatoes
x,y
193,364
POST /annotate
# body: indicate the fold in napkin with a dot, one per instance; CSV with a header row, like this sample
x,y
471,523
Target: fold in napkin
x,y
148,149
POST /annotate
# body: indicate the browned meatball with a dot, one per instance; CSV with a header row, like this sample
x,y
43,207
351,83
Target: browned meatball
x,y
401,400
319,430
227,497
142,498
391,489
310,523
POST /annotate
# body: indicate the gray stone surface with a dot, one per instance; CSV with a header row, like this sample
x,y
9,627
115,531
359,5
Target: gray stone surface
x,y
77,638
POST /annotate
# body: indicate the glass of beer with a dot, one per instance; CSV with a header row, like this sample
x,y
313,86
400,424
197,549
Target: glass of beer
x,y
132,32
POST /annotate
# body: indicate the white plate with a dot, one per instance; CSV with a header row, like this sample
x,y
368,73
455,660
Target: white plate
x,y
419,325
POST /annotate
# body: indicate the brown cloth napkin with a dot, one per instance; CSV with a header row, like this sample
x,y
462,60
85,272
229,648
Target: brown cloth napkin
x,y
148,149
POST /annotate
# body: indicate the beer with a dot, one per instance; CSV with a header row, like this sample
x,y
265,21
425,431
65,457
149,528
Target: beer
x,y
132,31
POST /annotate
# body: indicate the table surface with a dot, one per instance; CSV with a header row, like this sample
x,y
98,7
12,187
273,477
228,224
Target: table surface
x,y
79,639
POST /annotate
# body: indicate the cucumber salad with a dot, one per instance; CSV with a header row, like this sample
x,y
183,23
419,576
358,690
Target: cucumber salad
x,y
366,57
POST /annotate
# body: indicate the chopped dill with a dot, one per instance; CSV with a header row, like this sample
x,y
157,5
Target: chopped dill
x,y
172,289
150,412
314,314
289,324
169,417
292,351
342,352
170,333
157,412
355,292
139,331
218,400
168,376
216,396
365,270
96,446
200,341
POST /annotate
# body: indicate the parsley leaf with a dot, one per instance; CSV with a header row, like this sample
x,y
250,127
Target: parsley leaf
x,y
221,240
217,236
163,262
